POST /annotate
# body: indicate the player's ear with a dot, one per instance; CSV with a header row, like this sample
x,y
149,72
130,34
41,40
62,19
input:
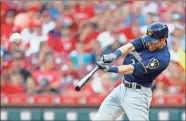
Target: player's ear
x,y
163,40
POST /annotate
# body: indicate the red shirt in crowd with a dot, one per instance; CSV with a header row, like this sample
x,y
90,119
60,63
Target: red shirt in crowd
x,y
91,37
4,9
69,17
6,31
9,88
55,43
68,45
51,76
58,45
73,73
86,12
128,33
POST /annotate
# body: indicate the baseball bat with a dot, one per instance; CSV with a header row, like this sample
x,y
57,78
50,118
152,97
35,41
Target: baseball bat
x,y
83,81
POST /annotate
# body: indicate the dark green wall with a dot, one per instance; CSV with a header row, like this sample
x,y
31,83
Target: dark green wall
x,y
65,114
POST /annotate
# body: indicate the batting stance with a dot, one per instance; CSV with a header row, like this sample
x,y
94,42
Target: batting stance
x,y
145,58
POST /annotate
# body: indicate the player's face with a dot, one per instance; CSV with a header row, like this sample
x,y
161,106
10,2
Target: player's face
x,y
155,46
152,46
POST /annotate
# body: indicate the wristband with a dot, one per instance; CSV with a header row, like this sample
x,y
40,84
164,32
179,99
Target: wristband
x,y
113,69
118,53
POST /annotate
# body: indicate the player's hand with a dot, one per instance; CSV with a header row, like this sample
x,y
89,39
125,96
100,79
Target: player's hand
x,y
108,58
102,66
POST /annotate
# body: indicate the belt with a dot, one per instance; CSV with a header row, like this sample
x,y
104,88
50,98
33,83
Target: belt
x,y
132,85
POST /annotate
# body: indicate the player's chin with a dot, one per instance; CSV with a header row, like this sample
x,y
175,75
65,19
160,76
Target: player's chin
x,y
151,49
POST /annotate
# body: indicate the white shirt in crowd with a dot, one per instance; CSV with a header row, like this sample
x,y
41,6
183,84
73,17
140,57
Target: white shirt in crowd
x,y
35,43
106,39
46,27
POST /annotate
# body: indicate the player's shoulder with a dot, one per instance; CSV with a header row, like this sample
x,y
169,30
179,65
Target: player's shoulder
x,y
138,43
163,53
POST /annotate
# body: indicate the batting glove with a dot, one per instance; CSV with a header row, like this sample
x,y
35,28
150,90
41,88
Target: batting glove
x,y
108,58
102,66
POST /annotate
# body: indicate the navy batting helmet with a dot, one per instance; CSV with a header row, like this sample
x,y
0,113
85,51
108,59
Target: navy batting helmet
x,y
155,32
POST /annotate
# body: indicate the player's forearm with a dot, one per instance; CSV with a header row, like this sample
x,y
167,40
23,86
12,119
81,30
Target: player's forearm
x,y
124,50
123,69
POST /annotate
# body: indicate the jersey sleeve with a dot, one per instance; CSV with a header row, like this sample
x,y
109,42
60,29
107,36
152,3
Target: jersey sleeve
x,y
138,43
148,66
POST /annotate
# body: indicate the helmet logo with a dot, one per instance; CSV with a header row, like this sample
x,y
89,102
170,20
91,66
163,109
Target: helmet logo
x,y
149,33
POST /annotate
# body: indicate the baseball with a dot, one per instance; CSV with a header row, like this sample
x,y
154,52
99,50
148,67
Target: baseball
x,y
15,37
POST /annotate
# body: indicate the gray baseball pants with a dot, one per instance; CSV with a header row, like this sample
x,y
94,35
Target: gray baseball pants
x,y
134,102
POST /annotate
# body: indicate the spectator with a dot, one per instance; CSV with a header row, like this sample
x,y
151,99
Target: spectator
x,y
44,50
177,40
55,8
103,85
54,36
176,80
96,53
4,9
5,71
150,7
47,23
151,17
176,44
69,17
27,33
15,86
47,78
102,15
3,83
28,17
135,14
132,31
7,27
170,82
34,60
37,38
88,34
161,88
79,57
31,87
112,34
15,43
69,76
83,11
67,41
113,47
19,65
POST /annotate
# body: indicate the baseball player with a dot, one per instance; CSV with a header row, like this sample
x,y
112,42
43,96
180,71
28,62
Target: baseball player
x,y
145,58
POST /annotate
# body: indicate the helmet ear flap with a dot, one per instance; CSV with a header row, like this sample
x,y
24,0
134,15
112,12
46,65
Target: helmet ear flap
x,y
166,31
162,34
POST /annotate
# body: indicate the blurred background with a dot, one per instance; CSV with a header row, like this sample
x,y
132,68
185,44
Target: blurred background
x,y
60,43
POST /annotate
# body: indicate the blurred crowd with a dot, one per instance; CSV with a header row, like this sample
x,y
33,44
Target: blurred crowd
x,y
62,40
